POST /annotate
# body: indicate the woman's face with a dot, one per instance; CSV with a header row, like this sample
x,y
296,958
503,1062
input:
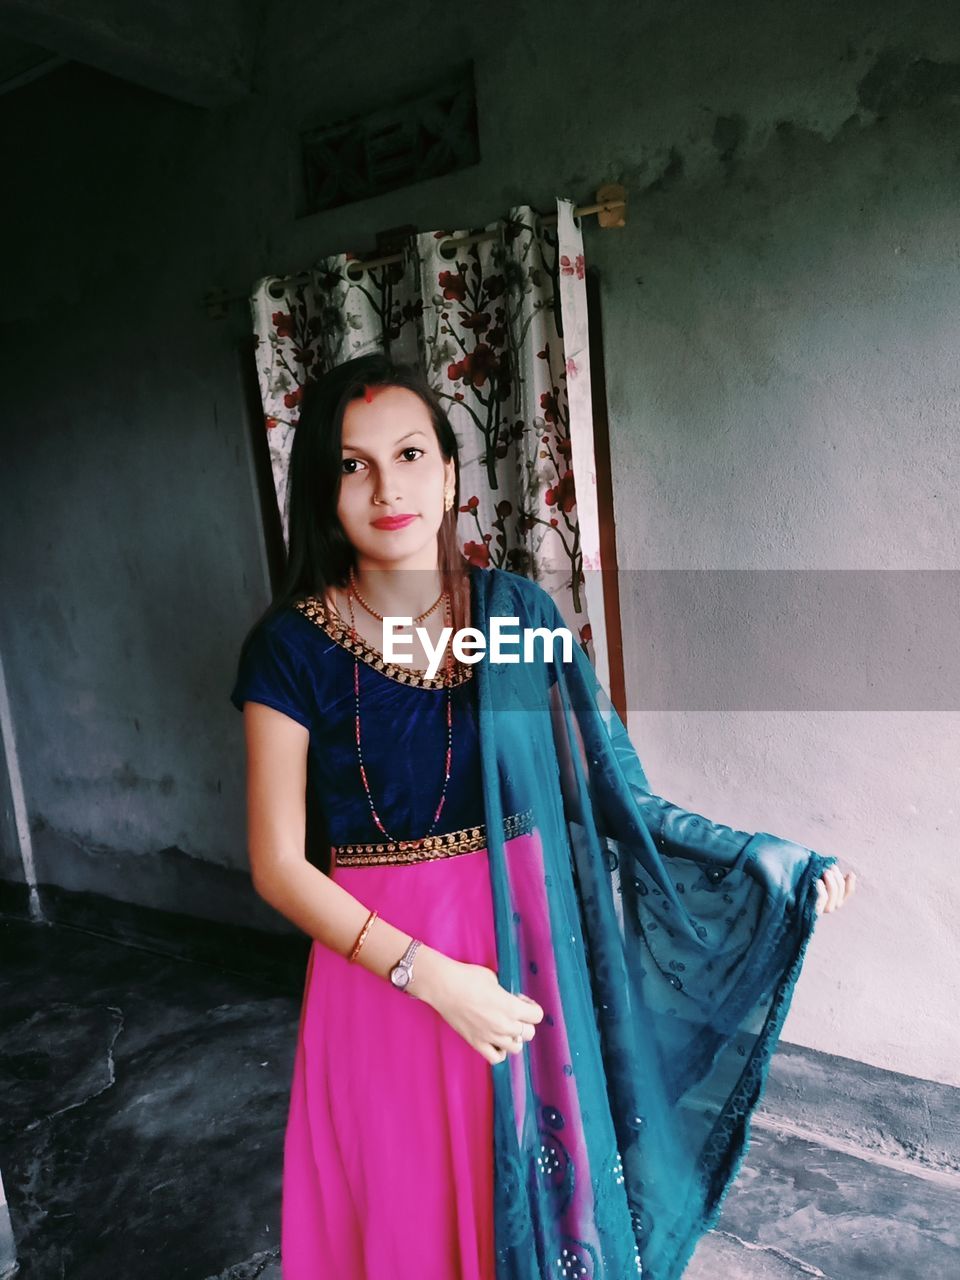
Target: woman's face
x,y
390,452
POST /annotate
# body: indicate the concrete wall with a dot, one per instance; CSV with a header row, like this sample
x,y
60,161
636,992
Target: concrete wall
x,y
781,326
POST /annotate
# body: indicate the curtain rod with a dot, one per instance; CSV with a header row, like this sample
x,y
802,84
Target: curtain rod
x,y
610,204
609,199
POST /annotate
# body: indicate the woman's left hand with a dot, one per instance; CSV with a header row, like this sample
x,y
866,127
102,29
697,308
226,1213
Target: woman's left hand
x,y
834,888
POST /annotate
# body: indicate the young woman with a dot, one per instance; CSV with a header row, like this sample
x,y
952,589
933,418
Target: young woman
x,y
389,1146
415,831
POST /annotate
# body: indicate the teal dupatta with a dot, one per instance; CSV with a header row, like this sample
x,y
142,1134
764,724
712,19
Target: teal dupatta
x,y
665,949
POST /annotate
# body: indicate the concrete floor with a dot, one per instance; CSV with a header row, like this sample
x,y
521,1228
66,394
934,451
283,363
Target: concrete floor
x,y
144,1104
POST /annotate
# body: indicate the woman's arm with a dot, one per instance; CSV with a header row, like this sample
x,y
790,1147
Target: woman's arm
x,y
469,996
281,874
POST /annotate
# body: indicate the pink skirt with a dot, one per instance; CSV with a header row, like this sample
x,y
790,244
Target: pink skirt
x,y
388,1153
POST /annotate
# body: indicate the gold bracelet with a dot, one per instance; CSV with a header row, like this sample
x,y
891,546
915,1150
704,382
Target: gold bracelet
x,y
363,933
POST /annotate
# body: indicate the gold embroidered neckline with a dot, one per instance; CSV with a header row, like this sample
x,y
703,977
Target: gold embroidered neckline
x,y
311,607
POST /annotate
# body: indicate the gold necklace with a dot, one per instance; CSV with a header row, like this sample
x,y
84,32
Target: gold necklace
x,y
420,616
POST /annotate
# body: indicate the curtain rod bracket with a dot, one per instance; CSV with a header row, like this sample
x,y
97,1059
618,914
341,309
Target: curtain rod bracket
x,y
611,206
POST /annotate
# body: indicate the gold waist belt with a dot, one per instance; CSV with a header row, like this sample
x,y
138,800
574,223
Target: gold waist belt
x,y
427,848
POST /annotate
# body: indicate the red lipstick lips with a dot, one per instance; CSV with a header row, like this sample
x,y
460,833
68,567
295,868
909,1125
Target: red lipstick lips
x,y
393,522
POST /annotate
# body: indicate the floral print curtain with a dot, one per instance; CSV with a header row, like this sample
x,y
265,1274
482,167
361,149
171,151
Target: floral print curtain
x,y
499,323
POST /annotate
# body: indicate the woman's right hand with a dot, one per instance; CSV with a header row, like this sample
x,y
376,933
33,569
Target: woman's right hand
x,y
470,998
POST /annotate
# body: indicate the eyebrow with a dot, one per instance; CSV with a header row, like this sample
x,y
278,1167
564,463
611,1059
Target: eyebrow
x,y
355,449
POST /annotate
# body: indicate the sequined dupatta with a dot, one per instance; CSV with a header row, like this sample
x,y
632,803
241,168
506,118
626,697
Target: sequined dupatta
x,y
664,948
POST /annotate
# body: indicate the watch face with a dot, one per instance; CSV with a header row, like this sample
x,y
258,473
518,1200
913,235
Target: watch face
x,y
400,977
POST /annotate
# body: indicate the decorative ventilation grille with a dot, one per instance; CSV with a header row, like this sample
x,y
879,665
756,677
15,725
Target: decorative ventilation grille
x,y
423,137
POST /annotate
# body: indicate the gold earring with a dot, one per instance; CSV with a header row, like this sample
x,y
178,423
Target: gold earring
x,y
447,499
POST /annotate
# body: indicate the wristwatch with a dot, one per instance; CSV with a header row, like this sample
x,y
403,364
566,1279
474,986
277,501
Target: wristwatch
x,y
401,975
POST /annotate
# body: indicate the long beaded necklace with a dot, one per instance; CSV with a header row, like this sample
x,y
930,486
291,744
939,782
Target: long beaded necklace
x,y
353,591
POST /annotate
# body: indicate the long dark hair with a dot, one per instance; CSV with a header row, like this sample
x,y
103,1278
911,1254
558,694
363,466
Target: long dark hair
x,y
319,553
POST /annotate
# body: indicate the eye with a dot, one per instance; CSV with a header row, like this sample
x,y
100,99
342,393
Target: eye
x,y
346,462
412,449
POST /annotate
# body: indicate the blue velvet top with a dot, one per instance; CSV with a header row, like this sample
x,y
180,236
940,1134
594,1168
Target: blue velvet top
x,y
303,666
